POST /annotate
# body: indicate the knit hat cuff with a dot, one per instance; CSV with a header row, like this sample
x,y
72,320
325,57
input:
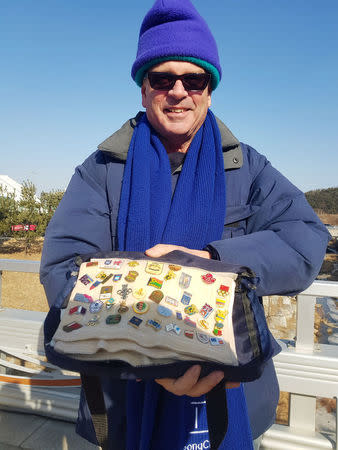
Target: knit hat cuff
x,y
215,76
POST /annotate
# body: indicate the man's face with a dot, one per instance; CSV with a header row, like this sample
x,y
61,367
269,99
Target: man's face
x,y
176,114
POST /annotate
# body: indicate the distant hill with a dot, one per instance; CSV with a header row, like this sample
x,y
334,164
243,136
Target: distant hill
x,y
324,200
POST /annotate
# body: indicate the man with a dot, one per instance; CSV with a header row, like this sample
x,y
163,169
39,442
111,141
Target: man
x,y
175,177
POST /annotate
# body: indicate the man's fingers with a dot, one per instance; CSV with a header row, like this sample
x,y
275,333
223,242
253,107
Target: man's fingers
x,y
161,249
183,384
189,384
205,384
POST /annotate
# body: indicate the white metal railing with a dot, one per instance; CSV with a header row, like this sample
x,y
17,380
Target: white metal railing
x,y
306,371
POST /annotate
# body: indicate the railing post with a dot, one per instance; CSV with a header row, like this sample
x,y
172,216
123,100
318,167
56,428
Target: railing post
x,y
305,322
303,413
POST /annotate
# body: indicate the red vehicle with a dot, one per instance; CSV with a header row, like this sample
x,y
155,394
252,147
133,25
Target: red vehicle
x,y
21,227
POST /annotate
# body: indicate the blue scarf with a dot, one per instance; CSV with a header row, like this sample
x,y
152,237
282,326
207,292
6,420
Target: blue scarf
x,y
149,214
192,216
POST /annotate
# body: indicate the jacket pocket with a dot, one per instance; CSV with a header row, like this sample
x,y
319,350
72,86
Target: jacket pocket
x,y
236,220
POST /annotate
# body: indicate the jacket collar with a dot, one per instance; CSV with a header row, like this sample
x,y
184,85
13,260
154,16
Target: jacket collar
x,y
117,144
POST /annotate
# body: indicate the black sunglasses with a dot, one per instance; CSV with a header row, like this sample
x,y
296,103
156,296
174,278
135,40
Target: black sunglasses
x,y
165,81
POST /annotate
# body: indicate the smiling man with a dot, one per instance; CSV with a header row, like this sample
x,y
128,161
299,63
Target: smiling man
x,y
175,177
175,111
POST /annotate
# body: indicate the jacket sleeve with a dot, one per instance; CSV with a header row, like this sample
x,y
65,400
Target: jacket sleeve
x,y
285,242
80,225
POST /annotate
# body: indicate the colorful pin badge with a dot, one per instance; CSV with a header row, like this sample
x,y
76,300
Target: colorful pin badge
x,y
101,276
155,324
81,298
125,291
95,307
139,294
223,290
171,301
220,302
116,265
189,334
177,329
106,292
174,267
72,327
206,310
86,279
131,276
189,322
106,264
170,275
156,296
123,308
135,322
169,327
220,315
208,278
186,297
184,281
204,324
163,311
202,337
155,282
94,321
133,264
110,302
117,277
113,319
217,332
190,310
92,263
178,315
108,277
77,310
216,341
154,268
141,307
95,284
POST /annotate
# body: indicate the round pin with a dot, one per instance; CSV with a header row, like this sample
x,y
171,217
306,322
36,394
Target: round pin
x,y
113,319
202,338
219,325
141,307
95,307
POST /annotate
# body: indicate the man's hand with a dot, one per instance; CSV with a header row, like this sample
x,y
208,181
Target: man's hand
x,y
162,249
188,384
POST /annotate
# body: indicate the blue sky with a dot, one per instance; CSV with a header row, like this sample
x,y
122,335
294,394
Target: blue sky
x,y
66,86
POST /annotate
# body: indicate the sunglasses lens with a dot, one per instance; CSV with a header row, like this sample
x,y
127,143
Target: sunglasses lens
x,y
161,81
196,81
191,81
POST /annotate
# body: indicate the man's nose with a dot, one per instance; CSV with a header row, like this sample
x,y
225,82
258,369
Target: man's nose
x,y
178,90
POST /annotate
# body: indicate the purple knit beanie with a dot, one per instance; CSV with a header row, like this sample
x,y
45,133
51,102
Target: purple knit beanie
x,y
174,30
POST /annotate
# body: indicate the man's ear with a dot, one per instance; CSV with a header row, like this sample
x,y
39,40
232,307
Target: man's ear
x,y
144,94
209,98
